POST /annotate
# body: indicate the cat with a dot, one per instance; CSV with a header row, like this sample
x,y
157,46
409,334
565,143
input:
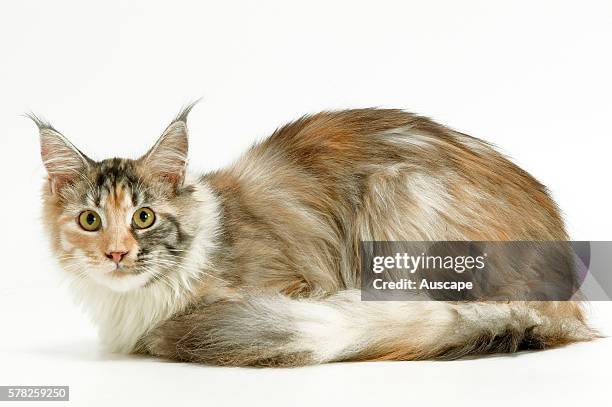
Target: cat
x,y
258,264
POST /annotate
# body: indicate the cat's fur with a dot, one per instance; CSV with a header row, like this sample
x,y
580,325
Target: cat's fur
x,y
258,263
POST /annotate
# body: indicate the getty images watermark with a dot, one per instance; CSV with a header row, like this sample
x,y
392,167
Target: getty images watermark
x,y
486,271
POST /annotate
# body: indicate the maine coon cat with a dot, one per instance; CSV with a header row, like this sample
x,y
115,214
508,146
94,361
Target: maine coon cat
x,y
258,263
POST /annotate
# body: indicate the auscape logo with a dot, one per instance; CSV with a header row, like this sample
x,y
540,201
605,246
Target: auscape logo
x,y
424,284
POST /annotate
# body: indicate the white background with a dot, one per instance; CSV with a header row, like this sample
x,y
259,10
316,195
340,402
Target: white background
x,y
533,77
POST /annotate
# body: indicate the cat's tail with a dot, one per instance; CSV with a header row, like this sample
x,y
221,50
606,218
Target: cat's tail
x,y
281,331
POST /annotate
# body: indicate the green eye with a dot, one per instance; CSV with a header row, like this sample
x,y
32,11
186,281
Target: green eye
x,y
90,221
143,218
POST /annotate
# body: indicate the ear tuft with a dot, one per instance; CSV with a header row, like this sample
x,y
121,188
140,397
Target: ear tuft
x,y
39,121
182,116
63,161
167,159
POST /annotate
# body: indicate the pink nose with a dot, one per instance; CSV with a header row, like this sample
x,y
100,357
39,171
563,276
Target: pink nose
x,y
116,256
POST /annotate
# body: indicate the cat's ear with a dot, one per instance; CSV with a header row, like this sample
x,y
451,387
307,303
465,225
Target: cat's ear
x,y
167,159
63,161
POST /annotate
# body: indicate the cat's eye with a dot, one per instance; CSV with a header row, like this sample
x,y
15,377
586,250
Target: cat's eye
x,y
90,221
143,218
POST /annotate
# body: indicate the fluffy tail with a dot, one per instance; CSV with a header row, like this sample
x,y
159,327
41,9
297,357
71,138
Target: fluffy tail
x,y
280,331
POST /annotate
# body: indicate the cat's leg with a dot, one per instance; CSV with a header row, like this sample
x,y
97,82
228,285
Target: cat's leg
x,y
246,332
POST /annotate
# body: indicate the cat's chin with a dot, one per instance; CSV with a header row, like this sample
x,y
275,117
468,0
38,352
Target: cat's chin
x,y
121,280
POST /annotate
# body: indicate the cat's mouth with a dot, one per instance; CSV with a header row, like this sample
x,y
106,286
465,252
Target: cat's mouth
x,y
123,270
123,278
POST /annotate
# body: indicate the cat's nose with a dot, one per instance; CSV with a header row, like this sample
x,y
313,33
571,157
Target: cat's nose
x,y
116,256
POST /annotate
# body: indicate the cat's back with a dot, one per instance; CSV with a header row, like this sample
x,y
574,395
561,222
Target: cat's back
x,y
317,186
354,159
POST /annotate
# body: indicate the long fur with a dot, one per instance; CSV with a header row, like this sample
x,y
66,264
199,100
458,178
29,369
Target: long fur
x,y
265,265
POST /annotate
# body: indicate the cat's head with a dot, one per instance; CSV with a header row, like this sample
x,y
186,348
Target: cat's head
x,y
122,223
